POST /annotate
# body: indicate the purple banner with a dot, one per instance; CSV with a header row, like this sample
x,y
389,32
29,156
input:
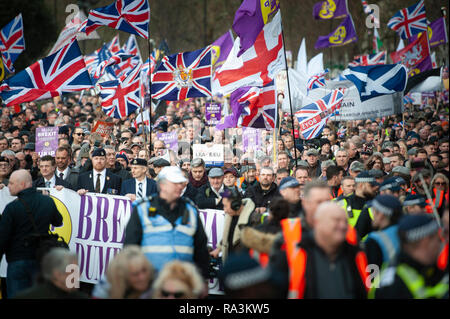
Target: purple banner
x,y
437,33
425,65
330,9
213,113
46,140
251,139
221,48
345,33
170,139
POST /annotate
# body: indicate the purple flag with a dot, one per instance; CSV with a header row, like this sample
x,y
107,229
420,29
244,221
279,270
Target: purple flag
x,y
330,9
236,109
425,65
46,140
344,34
213,113
250,19
220,50
437,33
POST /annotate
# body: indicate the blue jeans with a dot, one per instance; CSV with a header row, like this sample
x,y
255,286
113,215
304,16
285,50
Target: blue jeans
x,y
19,276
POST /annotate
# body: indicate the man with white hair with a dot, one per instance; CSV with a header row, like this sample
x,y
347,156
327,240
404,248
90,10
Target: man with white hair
x,y
16,229
325,263
167,226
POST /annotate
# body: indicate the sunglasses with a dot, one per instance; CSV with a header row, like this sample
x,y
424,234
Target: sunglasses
x,y
176,295
440,183
82,134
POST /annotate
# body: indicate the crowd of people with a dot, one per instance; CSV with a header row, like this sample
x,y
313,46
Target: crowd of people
x,y
303,218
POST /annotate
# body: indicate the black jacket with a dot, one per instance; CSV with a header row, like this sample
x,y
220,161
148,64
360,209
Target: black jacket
x,y
47,290
262,198
353,283
134,233
16,227
87,181
58,181
206,198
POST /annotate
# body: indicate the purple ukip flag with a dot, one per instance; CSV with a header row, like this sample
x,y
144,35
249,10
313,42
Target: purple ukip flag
x,y
438,32
46,140
250,19
330,9
345,33
213,113
236,109
220,50
425,65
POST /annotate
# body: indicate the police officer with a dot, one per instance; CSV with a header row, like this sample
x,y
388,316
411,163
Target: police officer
x,y
415,275
383,244
366,188
167,225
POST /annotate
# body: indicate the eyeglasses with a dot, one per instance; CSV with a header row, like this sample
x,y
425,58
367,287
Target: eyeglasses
x,y
440,183
176,295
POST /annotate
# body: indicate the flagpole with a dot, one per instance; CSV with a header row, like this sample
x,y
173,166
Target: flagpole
x,y
149,151
289,93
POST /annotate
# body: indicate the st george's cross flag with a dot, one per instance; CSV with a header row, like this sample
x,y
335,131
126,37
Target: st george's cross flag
x,y
122,97
132,16
313,117
61,72
409,21
12,42
183,75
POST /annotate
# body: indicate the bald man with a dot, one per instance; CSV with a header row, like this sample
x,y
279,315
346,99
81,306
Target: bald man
x,y
329,268
16,228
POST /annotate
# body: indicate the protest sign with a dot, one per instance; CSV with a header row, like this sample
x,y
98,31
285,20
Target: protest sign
x,y
251,139
170,139
212,154
103,128
213,113
46,140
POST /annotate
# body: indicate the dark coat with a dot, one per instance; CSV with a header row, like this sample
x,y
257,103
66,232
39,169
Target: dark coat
x,y
16,227
262,198
206,198
112,182
47,290
58,181
72,176
129,187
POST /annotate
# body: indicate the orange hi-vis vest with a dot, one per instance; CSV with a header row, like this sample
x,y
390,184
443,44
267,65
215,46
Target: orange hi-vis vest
x,y
442,261
297,257
262,258
438,200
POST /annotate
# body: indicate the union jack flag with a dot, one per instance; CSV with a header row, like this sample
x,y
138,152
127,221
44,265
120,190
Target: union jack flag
x,y
122,97
12,42
313,117
369,59
114,45
95,59
316,81
183,75
63,71
132,16
131,48
115,59
409,21
262,107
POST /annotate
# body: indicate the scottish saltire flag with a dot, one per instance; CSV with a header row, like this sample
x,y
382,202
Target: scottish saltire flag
x,y
252,107
316,81
61,72
369,59
409,21
313,117
12,42
115,59
345,33
250,19
330,9
183,75
375,80
132,16
122,97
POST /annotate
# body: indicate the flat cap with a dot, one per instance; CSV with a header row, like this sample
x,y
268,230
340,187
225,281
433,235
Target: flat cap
x,y
215,172
161,162
401,170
